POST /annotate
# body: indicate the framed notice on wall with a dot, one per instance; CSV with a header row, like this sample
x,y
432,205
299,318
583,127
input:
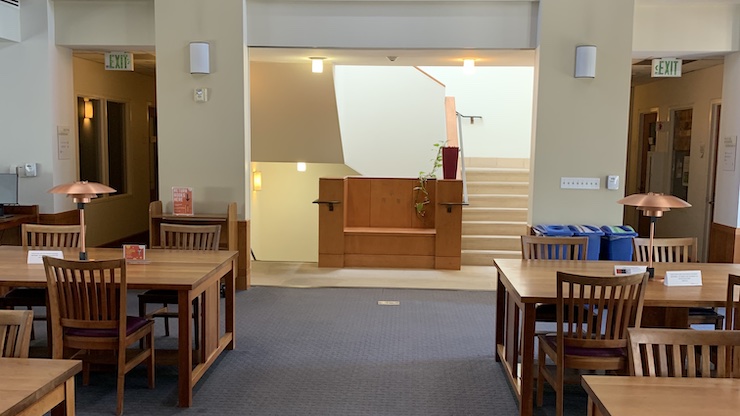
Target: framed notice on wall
x,y
182,200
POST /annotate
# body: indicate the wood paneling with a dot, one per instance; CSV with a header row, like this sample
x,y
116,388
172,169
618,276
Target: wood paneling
x,y
244,262
331,222
724,244
379,226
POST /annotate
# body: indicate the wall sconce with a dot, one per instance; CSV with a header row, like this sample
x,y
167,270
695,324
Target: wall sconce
x,y
301,166
317,64
88,109
585,61
257,180
468,66
200,62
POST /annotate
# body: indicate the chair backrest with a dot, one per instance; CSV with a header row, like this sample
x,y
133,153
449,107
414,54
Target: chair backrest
x,y
554,248
660,352
85,295
732,307
15,333
190,237
617,299
36,236
667,250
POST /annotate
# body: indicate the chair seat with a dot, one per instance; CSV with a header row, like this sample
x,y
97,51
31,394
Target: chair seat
x,y
24,296
133,324
551,341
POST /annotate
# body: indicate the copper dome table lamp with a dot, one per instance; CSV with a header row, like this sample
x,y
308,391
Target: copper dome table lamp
x,y
653,205
82,192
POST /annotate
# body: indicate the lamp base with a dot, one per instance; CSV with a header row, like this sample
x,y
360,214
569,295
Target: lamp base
x,y
83,255
651,272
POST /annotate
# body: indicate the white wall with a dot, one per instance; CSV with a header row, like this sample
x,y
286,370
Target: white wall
x,y
696,90
673,28
10,23
727,209
36,80
503,97
389,118
392,24
105,24
285,222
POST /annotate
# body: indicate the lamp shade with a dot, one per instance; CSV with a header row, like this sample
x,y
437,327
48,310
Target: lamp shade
x,y
654,204
200,62
82,191
585,61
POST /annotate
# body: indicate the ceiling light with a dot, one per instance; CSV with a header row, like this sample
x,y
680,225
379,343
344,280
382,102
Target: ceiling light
x,y
301,166
317,64
468,66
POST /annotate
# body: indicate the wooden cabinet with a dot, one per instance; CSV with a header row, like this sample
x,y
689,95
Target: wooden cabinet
x,y
234,233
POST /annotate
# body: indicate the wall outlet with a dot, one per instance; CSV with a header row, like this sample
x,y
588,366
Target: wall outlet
x,y
580,183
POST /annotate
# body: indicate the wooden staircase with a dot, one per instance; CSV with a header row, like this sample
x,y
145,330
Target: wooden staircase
x,y
498,193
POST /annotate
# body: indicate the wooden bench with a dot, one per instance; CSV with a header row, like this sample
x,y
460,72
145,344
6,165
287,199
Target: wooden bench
x,y
372,222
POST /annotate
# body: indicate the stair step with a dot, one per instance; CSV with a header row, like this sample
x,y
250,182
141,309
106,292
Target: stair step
x,y
489,228
485,257
498,188
498,201
494,214
496,174
492,242
497,162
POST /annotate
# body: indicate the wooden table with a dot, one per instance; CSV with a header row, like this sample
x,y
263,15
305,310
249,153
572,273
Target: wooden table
x,y
190,273
661,396
524,283
33,386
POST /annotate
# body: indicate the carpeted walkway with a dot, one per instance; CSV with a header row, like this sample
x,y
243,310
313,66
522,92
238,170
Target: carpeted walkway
x,y
336,352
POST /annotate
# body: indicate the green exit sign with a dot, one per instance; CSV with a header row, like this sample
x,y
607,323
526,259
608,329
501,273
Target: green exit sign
x,y
666,67
119,61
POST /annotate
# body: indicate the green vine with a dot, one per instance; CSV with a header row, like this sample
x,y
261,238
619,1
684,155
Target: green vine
x,y
421,194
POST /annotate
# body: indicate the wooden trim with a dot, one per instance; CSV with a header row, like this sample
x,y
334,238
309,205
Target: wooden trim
x,y
724,244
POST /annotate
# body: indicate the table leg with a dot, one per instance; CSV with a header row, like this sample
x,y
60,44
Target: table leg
x,y
500,314
184,349
230,310
527,364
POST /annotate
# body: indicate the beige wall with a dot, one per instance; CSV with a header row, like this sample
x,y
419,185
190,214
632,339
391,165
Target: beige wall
x,y
696,90
580,125
204,145
113,218
285,222
294,114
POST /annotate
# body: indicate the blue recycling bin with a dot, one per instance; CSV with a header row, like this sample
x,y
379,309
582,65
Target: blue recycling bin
x,y
594,235
616,243
552,230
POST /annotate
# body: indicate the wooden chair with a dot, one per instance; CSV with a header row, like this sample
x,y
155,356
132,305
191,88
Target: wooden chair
x,y
677,250
552,248
87,305
40,237
15,333
732,307
180,237
660,352
581,343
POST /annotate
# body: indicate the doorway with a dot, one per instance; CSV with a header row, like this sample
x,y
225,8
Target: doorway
x,y
648,132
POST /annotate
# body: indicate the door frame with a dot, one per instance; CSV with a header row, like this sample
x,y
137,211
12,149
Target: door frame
x,y
715,115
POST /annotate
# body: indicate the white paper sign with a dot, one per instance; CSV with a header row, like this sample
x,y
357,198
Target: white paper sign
x,y
620,270
36,256
728,153
683,278
64,149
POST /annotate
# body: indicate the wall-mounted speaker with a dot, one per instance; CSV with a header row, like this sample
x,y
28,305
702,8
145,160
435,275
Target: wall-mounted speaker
x,y
199,58
585,61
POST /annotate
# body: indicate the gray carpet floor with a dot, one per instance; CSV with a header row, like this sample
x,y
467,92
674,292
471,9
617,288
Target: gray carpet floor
x,y
336,352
